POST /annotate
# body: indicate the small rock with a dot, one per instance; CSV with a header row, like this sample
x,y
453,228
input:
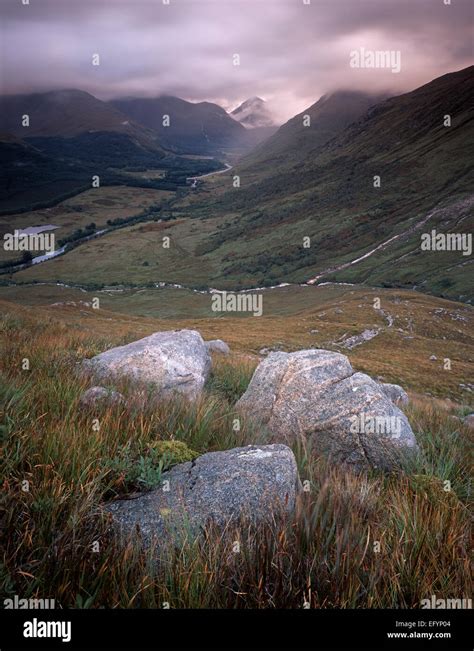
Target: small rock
x,y
277,346
217,346
396,394
101,396
469,420
256,481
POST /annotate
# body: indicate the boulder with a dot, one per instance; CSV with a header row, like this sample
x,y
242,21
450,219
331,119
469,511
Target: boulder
x,y
316,395
218,346
171,362
395,393
98,396
256,482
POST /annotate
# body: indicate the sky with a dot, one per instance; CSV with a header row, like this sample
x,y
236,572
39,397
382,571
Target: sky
x,y
290,52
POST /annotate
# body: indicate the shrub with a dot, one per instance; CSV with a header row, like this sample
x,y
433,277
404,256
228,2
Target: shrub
x,y
136,470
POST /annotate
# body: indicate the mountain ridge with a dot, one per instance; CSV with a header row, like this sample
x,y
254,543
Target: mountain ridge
x,y
201,127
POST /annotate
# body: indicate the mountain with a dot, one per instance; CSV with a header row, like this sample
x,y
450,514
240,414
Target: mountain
x,y
253,113
202,128
322,183
73,136
326,118
67,114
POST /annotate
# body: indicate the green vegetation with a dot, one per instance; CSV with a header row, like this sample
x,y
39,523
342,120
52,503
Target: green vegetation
x,y
98,206
142,468
319,183
293,318
57,471
42,172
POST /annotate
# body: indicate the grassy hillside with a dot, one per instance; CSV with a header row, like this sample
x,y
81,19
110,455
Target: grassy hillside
x,y
296,140
412,327
324,555
29,176
98,206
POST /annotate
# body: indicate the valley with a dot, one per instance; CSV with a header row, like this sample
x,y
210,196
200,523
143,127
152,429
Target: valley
x,y
236,319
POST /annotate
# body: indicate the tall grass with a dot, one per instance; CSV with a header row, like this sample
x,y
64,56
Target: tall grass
x,y
358,541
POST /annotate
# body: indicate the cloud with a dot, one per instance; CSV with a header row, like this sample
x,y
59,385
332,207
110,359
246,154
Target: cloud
x,y
290,52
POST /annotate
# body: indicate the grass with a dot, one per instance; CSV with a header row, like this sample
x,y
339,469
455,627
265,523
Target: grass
x,y
293,318
360,541
96,205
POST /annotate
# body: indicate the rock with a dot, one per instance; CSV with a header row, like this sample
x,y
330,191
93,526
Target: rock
x,y
433,358
357,340
315,394
219,487
276,347
175,361
101,396
396,394
71,304
217,346
469,420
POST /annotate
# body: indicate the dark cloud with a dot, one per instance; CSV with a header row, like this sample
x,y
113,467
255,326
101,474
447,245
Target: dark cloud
x,y
290,52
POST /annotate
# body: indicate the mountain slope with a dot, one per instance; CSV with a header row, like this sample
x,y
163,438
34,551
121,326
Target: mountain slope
x,y
68,113
324,189
193,128
327,117
72,136
28,176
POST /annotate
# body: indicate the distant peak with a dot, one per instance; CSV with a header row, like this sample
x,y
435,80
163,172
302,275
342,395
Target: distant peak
x,y
252,113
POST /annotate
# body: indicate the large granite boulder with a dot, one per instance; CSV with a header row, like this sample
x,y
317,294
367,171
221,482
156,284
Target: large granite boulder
x,y
316,395
255,482
171,362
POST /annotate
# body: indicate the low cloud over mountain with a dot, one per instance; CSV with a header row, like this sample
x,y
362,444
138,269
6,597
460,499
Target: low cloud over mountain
x,y
291,52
